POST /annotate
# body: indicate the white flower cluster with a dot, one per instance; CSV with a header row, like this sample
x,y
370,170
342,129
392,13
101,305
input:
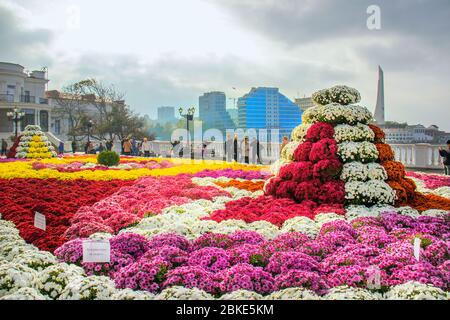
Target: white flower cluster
x,y
88,288
54,279
350,293
287,153
416,291
338,94
358,171
335,113
128,294
369,192
293,294
299,132
182,293
14,276
242,295
357,151
36,260
358,132
276,166
27,293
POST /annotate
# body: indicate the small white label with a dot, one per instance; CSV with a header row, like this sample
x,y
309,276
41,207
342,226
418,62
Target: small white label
x,y
417,243
374,279
39,221
96,251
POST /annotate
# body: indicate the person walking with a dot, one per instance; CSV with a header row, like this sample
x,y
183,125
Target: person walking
x,y
127,147
61,147
445,154
228,148
284,143
134,147
245,146
4,147
86,147
74,146
109,144
101,148
146,147
235,148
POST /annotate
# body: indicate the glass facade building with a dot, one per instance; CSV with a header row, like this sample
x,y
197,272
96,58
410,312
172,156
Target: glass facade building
x,y
213,113
267,108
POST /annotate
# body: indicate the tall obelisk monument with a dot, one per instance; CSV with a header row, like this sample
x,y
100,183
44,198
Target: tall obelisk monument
x,y
379,109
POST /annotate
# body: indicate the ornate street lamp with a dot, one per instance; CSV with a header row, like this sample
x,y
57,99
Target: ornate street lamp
x,y
189,116
90,124
16,116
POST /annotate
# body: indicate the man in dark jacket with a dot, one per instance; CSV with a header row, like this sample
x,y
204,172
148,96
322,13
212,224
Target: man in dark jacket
x,y
445,154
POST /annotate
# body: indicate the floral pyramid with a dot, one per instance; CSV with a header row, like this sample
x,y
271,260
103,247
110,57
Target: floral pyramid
x,y
337,157
34,144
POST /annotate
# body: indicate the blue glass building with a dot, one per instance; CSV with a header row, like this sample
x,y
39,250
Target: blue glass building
x,y
213,113
267,108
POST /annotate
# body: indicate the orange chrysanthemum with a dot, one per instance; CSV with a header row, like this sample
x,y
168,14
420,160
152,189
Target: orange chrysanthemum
x,y
385,152
243,185
424,202
379,134
395,170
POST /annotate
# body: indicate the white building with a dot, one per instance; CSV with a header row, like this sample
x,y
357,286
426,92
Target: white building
x,y
304,103
25,91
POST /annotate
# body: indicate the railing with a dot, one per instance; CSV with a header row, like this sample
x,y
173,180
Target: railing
x,y
419,155
27,99
6,97
43,101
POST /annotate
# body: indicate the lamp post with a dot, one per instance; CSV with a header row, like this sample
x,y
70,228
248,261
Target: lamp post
x,y
89,126
189,116
16,116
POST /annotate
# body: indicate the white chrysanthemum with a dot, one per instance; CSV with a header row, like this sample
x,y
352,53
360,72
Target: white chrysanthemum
x,y
435,213
413,290
357,151
52,280
370,192
101,236
299,133
358,132
10,250
351,293
357,211
276,166
36,260
25,294
182,293
301,224
408,211
376,171
242,295
128,294
335,113
287,153
323,218
293,294
89,288
14,276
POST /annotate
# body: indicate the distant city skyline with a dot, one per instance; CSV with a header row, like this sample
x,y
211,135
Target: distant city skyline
x,y
247,44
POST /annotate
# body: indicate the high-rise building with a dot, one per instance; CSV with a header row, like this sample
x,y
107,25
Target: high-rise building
x,y
304,103
233,115
212,111
267,108
166,114
379,108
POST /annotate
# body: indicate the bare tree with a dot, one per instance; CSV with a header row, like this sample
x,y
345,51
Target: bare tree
x,y
72,106
106,99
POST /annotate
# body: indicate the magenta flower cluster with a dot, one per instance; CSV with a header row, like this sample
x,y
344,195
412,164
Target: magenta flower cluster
x,y
343,253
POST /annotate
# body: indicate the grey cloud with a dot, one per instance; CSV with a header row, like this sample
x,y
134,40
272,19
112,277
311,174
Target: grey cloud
x,y
22,45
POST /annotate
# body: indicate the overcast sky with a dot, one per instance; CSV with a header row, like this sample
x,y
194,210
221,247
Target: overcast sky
x,y
169,52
